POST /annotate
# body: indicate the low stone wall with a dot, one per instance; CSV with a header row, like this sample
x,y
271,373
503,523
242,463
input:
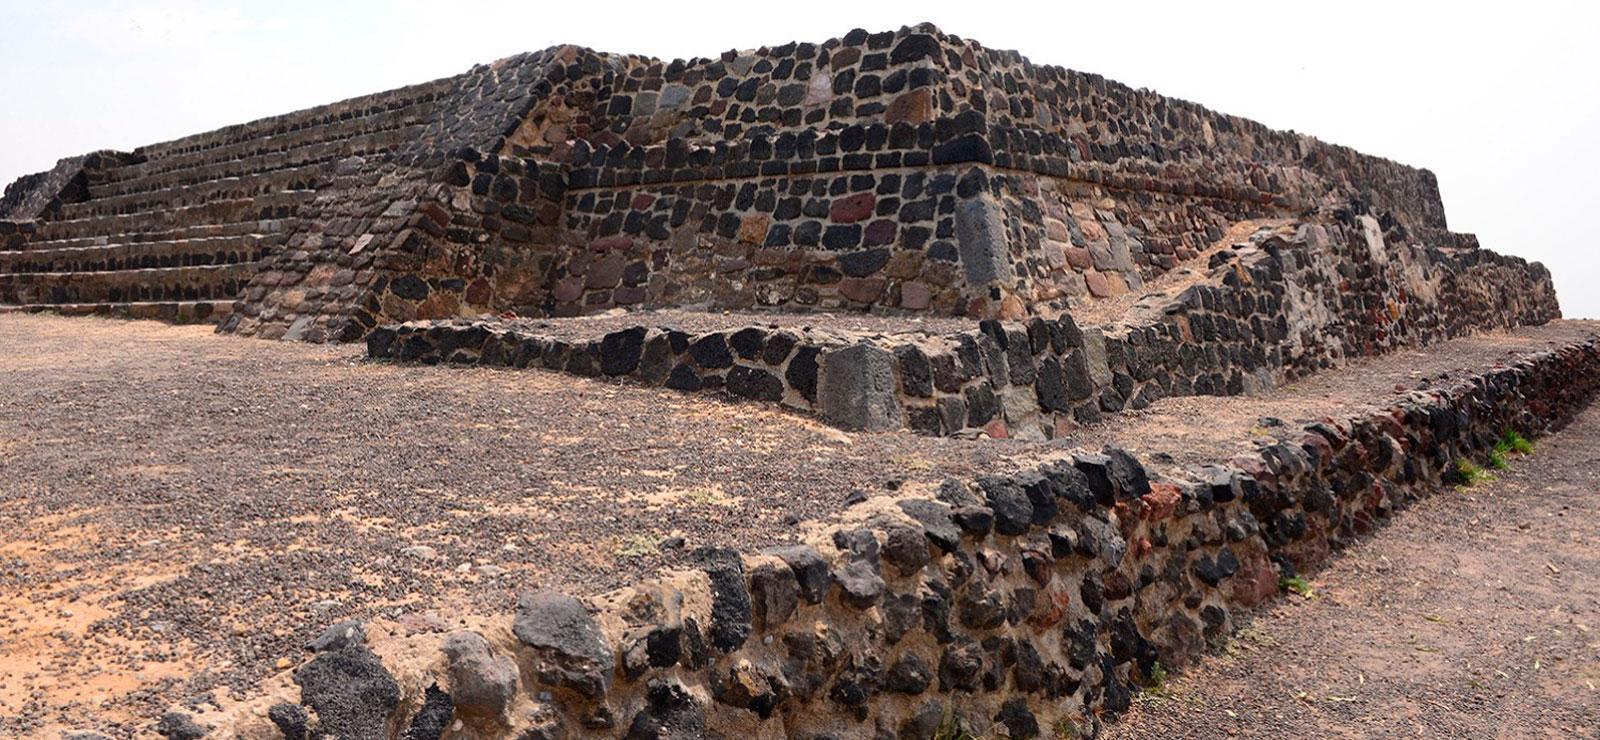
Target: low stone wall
x,y
1026,604
1289,303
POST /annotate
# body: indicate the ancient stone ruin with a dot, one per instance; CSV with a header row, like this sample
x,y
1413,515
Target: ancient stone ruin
x,y
900,231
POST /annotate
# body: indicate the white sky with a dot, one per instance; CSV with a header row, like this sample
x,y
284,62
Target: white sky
x,y
1499,99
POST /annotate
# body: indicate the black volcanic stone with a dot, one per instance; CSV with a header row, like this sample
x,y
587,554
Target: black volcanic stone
x,y
910,674
914,47
290,719
982,405
916,377
907,549
560,628
1013,511
842,236
1128,473
1018,719
410,287
747,342
754,383
350,691
711,352
179,726
936,521
730,601
435,716
810,570
683,378
961,666
774,593
802,372
620,351
860,583
864,263
968,148
671,713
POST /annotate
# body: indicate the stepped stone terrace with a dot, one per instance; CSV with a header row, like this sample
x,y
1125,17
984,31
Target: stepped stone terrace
x,y
888,386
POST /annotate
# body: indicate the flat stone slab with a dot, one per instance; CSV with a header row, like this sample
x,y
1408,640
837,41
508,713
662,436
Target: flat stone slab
x,y
184,508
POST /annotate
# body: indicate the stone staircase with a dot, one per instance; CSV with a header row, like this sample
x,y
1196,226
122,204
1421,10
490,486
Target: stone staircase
x,y
176,230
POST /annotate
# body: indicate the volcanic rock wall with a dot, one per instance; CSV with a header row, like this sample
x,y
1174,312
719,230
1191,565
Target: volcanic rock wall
x,y
1293,300
1027,603
907,171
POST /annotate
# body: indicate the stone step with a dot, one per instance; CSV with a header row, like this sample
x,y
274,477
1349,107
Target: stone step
x,y
207,282
321,152
219,250
296,178
199,231
175,311
276,205
419,102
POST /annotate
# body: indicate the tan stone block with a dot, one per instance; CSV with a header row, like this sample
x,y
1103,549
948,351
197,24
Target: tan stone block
x,y
1055,254
904,265
1057,230
1012,308
753,228
1092,231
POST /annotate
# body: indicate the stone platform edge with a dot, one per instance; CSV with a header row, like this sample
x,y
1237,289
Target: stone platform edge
x,y
1284,305
1030,604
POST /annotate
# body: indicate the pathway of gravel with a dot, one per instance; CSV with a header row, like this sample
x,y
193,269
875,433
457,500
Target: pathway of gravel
x,y
1474,614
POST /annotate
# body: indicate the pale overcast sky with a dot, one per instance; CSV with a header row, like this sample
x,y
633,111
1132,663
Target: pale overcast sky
x,y
1499,99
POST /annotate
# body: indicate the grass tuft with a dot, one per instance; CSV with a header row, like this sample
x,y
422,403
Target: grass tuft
x,y
1513,443
1296,584
1467,473
951,729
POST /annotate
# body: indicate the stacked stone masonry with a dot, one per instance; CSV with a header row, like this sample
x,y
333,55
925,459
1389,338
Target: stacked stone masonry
x,y
909,171
1294,299
1024,605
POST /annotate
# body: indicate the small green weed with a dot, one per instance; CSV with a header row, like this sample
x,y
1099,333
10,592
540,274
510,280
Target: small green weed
x,y
1467,473
1513,443
1497,460
1296,584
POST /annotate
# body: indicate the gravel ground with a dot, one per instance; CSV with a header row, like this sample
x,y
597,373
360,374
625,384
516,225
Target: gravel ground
x,y
184,509
1202,429
1474,614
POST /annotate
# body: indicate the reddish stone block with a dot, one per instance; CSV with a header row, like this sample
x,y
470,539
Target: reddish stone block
x,y
853,208
568,289
605,272
1099,286
862,290
1079,258
616,243
479,292
1162,501
915,296
913,107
